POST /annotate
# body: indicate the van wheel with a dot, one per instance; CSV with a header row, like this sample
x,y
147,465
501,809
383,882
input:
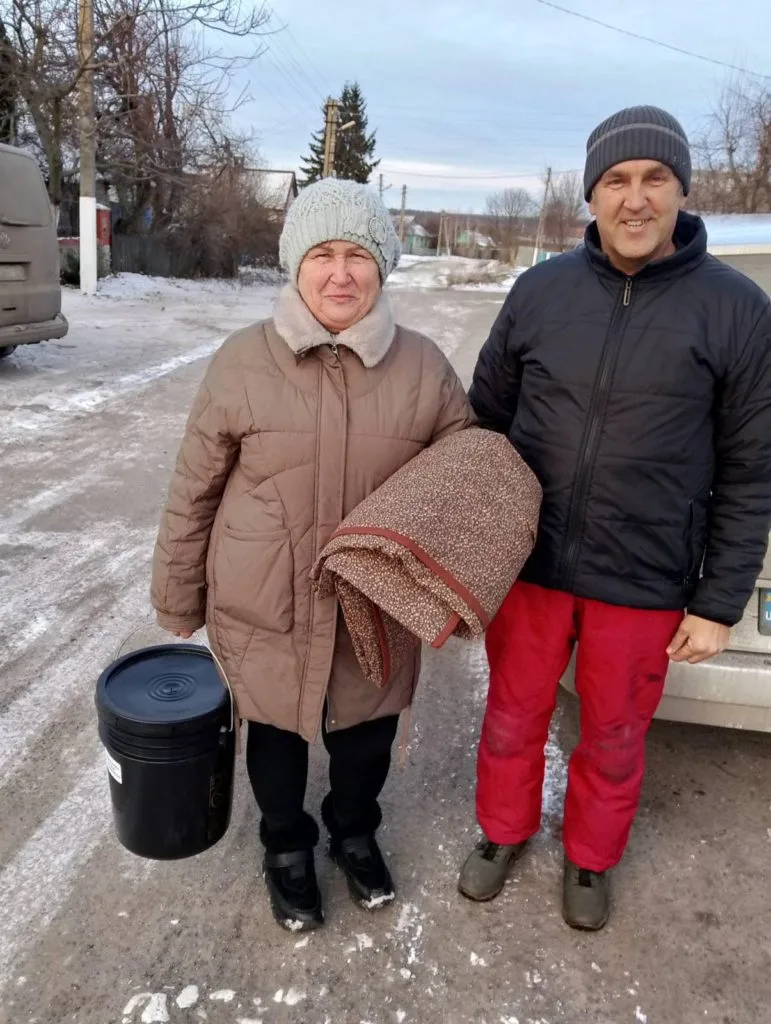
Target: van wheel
x,y
6,350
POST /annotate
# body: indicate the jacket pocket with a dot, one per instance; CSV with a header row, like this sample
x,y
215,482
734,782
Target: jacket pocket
x,y
693,549
253,575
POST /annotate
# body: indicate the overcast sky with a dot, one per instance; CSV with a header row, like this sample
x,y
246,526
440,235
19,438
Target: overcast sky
x,y
469,97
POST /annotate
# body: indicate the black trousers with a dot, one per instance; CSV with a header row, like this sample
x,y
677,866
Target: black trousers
x,y
359,761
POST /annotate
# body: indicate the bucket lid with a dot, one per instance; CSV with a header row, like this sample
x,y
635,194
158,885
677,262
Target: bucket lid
x,y
171,688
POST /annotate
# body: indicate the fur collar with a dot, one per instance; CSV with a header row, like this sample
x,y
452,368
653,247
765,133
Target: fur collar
x,y
369,339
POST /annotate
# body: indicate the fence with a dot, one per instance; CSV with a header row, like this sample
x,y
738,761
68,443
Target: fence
x,y
146,254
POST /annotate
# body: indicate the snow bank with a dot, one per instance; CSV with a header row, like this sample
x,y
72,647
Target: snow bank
x,y
454,272
422,272
143,286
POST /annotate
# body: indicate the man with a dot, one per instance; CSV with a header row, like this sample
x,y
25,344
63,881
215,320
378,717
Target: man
x,y
634,376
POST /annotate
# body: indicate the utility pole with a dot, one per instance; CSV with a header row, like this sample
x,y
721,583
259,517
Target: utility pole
x,y
88,257
444,234
542,218
330,138
401,216
380,186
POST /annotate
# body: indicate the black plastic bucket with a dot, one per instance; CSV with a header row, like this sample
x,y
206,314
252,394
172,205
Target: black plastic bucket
x,y
165,721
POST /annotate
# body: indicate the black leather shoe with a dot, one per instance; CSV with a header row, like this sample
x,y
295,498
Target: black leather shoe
x,y
294,892
369,880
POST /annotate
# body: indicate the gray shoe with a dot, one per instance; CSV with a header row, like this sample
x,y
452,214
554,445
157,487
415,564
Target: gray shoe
x,y
585,898
484,873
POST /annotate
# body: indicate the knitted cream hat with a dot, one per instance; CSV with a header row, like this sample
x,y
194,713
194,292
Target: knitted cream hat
x,y
332,210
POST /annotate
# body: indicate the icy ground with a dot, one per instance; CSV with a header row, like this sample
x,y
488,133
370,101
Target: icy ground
x,y
89,428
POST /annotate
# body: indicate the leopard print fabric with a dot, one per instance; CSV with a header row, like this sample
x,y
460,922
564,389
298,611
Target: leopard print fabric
x,y
434,551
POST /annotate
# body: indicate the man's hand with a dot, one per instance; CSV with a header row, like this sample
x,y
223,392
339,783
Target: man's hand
x,y
184,635
698,640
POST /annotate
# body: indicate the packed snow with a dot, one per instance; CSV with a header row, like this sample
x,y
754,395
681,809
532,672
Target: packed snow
x,y
454,272
80,426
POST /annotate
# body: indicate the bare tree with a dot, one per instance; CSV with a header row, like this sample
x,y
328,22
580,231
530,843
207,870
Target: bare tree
x,y
8,91
507,211
565,209
223,219
734,153
147,53
39,47
163,111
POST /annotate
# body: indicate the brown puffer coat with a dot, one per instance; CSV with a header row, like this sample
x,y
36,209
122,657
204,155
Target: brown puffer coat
x,y
290,431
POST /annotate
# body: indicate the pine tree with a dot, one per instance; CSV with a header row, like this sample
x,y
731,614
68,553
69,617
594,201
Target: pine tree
x,y
355,148
7,89
313,164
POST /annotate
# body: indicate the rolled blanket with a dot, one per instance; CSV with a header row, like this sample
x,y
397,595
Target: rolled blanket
x,y
434,551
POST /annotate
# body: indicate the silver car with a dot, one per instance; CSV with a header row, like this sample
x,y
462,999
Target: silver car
x,y
734,689
30,293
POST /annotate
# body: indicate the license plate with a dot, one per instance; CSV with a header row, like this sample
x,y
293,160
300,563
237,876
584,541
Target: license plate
x,y
12,272
764,612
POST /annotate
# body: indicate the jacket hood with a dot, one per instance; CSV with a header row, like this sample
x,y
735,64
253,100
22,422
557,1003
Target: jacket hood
x,y
690,237
369,339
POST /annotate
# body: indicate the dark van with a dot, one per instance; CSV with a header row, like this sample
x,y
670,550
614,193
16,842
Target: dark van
x,y
30,292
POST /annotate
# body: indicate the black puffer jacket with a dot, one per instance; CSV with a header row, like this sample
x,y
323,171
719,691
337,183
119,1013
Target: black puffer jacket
x,y
643,404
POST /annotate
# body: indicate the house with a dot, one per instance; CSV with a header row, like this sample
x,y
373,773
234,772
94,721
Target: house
x,y
68,220
276,190
418,241
475,243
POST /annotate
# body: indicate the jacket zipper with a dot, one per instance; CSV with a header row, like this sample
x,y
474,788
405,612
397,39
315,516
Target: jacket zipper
x,y
312,601
588,451
338,366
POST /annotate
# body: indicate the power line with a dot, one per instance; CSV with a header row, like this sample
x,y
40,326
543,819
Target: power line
x,y
289,76
452,113
284,126
447,156
452,140
304,52
656,42
266,88
294,63
507,130
285,30
402,172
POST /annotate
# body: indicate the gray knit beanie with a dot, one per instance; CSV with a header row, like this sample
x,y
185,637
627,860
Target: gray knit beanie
x,y
637,133
334,209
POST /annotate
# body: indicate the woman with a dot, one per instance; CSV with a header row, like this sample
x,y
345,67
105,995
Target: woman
x,y
297,421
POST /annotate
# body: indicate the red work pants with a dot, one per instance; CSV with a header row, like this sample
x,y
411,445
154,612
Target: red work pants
x,y
620,672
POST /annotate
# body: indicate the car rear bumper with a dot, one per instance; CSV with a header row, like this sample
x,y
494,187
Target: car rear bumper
x,y
27,334
733,691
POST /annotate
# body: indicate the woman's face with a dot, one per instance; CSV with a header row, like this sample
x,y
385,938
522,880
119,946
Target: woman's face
x,y
339,283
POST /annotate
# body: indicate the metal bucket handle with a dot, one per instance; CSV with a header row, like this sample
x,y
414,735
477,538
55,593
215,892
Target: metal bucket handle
x,y
204,640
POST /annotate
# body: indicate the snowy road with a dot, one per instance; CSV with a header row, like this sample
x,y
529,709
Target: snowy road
x,y
88,432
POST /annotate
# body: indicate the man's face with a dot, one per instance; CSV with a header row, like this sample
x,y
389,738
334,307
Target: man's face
x,y
636,205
